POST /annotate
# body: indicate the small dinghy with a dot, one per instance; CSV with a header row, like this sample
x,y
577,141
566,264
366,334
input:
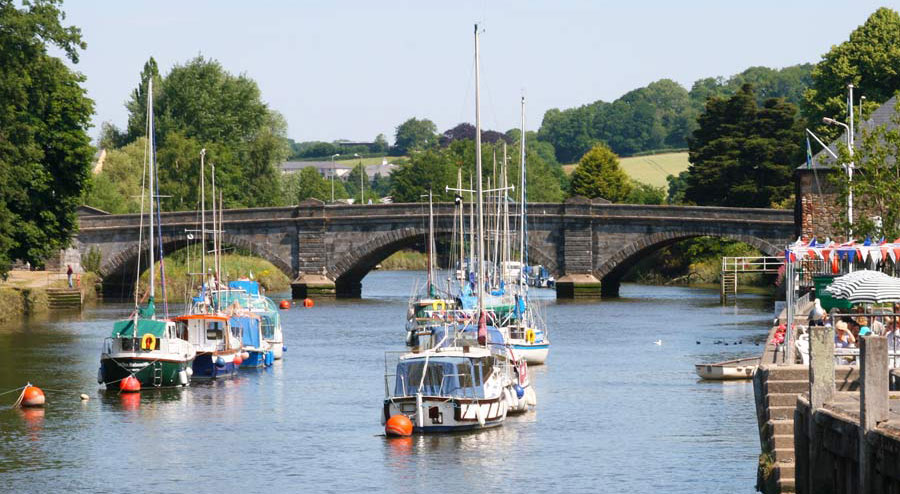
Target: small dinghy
x,y
743,368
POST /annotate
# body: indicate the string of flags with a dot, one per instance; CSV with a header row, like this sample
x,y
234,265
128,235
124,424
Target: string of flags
x,y
869,251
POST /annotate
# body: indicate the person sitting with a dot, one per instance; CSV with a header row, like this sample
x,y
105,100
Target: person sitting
x,y
863,325
843,337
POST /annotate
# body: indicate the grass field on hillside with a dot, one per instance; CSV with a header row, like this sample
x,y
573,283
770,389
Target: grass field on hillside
x,y
369,161
651,169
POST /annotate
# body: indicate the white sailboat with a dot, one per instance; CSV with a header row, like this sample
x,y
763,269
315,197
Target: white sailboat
x,y
455,386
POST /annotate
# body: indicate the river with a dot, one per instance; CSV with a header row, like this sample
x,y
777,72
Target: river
x,y
616,412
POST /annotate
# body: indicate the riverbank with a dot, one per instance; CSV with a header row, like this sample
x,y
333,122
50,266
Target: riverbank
x,y
405,260
24,293
180,284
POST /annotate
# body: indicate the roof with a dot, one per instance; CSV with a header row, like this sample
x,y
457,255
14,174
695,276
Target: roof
x,y
882,116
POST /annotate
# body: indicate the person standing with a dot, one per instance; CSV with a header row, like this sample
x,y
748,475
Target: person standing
x,y
69,274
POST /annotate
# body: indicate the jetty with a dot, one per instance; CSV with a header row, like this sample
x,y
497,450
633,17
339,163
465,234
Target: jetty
x,y
826,427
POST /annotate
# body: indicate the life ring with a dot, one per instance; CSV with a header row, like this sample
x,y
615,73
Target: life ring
x,y
439,305
529,336
148,342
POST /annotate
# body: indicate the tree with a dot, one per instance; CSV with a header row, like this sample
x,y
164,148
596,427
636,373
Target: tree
x,y
117,186
598,175
197,106
45,152
414,135
380,145
869,59
429,170
743,155
677,184
876,181
642,193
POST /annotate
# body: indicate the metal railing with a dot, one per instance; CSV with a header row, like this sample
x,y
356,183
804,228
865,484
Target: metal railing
x,y
733,266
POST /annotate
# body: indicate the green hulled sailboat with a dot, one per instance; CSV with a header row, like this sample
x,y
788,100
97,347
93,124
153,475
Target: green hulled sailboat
x,y
144,346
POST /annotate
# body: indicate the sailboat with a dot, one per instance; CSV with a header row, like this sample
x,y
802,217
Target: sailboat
x,y
431,306
526,333
460,383
216,341
152,349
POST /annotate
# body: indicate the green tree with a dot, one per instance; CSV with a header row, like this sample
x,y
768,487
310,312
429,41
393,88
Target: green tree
x,y
415,135
869,59
431,169
677,184
45,152
742,154
309,184
598,175
642,193
117,187
380,145
876,181
200,105
352,185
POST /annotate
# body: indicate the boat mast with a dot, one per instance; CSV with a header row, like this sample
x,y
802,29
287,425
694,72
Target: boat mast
x,y
469,268
479,192
523,218
152,161
202,218
219,232
462,222
504,242
215,236
430,245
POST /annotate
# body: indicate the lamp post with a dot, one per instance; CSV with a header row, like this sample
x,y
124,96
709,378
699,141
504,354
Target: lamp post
x,y
362,173
333,156
849,166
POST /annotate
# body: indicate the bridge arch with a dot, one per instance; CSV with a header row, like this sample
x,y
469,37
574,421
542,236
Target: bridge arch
x,y
349,270
119,269
612,269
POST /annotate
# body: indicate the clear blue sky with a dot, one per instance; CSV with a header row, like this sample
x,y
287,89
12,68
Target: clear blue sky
x,y
354,69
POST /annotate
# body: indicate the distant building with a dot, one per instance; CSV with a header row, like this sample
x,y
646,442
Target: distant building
x,y
818,206
339,169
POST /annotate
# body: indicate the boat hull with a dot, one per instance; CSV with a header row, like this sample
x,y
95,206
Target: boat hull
x,y
204,366
150,372
443,414
535,354
727,371
277,347
258,359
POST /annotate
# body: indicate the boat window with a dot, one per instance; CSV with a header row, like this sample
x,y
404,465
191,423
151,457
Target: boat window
x,y
181,329
214,330
268,327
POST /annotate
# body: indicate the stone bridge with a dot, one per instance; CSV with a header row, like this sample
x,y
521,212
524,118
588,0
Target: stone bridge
x,y
328,249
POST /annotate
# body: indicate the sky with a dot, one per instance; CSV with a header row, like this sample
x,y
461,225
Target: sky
x,y
355,69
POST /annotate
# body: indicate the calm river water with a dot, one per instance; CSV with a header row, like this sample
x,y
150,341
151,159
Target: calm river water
x,y
616,412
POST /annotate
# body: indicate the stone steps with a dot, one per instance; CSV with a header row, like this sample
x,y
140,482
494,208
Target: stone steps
x,y
64,298
781,412
787,386
781,400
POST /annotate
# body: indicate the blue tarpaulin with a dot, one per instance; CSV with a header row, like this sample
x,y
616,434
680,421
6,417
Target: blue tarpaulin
x,y
250,334
248,286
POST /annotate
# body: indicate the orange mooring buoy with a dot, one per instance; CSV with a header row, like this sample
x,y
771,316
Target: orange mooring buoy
x,y
285,304
129,385
308,302
398,425
238,360
33,396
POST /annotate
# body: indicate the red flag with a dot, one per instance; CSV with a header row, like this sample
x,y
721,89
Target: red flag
x,y
835,265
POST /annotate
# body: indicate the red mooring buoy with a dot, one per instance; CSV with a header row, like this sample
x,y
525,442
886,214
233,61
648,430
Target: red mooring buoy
x,y
285,304
308,302
129,385
33,396
398,425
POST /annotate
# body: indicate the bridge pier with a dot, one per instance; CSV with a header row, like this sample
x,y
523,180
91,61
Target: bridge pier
x,y
312,285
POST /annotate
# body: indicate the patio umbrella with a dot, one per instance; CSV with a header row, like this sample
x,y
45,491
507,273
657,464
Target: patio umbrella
x,y
866,286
